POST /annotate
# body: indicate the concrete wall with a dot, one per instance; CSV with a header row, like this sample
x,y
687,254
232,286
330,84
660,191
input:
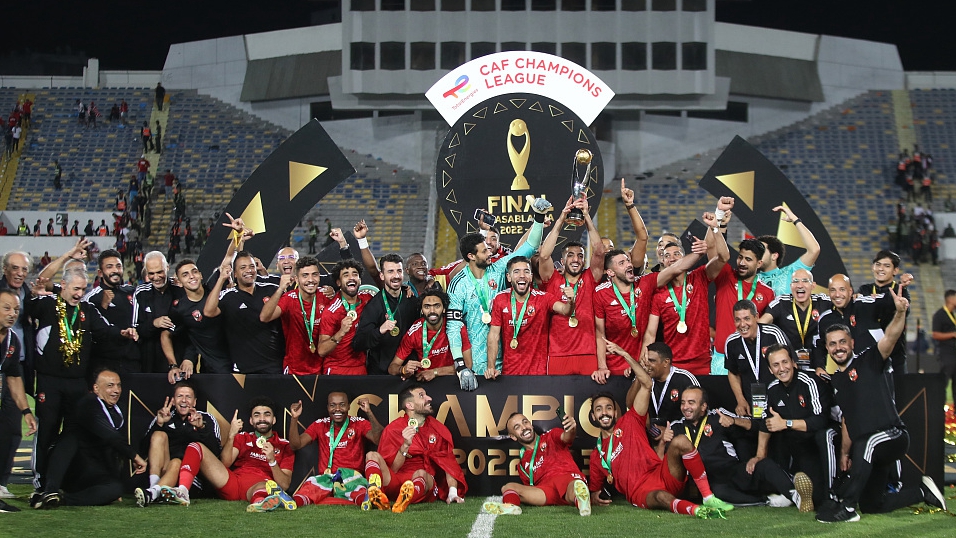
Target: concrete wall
x,y
930,80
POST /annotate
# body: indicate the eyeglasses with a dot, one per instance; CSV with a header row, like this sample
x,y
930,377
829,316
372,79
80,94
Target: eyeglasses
x,y
801,281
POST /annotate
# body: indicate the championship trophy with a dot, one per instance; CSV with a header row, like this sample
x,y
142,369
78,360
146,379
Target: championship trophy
x,y
582,157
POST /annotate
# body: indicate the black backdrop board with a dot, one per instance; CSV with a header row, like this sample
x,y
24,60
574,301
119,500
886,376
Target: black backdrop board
x,y
758,186
474,418
278,194
482,156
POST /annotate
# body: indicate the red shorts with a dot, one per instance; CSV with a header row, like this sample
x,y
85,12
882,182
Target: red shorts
x,y
238,485
395,484
556,487
344,370
572,365
662,480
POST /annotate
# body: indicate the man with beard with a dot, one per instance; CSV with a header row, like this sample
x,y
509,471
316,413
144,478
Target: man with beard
x,y
746,359
339,321
154,301
681,307
669,382
886,266
341,454
420,277
860,314
415,461
300,310
525,314
254,347
85,460
796,314
387,317
549,476
662,241
771,273
204,333
571,345
14,403
472,290
624,459
424,352
177,424
117,304
254,466
874,436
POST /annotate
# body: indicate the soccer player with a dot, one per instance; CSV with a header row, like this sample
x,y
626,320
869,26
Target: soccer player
x,y
669,382
205,334
525,315
874,436
471,291
300,310
387,317
746,360
177,424
426,339
625,459
254,466
886,266
339,321
116,302
341,453
571,345
796,314
415,461
771,273
549,476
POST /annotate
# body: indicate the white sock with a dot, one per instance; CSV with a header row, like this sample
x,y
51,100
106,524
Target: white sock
x,y
153,480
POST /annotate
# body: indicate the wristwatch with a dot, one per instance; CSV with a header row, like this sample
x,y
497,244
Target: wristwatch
x,y
789,424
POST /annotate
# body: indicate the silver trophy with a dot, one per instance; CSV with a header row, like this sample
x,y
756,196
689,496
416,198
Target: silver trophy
x,y
582,157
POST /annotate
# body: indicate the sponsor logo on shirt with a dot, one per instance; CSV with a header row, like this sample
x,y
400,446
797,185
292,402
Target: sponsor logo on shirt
x,y
243,305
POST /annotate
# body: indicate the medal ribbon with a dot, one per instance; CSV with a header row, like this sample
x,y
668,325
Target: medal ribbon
x,y
517,322
699,432
628,308
69,326
334,444
802,326
310,323
534,456
682,309
576,286
427,344
606,457
388,310
348,307
740,290
480,291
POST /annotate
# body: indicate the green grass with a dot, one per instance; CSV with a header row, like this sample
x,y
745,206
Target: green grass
x,y
208,518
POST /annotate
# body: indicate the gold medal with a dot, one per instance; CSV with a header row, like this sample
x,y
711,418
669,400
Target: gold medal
x,y
681,327
514,344
413,422
394,331
261,442
610,478
634,332
351,315
312,348
485,318
572,322
328,471
426,363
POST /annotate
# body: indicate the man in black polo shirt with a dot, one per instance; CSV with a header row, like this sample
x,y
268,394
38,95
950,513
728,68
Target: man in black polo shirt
x,y
154,300
944,333
669,382
115,301
797,313
746,359
886,266
254,347
387,317
860,314
874,436
14,404
204,333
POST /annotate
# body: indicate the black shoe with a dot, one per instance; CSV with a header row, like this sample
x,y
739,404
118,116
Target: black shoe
x,y
144,497
48,501
841,515
931,494
4,507
34,497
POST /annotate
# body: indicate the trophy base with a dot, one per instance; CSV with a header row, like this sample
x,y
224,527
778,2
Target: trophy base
x,y
520,183
575,217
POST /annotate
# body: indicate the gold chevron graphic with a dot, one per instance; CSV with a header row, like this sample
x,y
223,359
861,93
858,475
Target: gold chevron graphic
x,y
787,232
252,216
742,185
300,175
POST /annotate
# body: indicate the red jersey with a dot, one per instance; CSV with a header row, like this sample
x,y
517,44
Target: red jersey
x,y
440,354
350,452
432,449
727,285
552,459
617,326
692,348
142,165
252,461
531,355
565,340
633,461
343,356
299,360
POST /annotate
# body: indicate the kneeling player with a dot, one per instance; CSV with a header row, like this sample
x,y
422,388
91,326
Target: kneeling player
x,y
548,473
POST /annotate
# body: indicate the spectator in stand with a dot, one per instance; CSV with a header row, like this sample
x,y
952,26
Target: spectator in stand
x,y
103,230
114,113
934,245
179,204
926,188
174,243
168,184
16,131
328,233
123,110
23,229
45,259
80,112
75,229
147,136
8,140
158,138
26,112
200,234
3,228
188,236
142,167
63,231
57,176
92,114
160,95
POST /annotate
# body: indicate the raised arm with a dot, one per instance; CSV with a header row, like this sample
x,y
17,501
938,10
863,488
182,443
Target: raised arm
x,y
271,310
895,329
360,231
78,252
211,309
639,395
813,247
639,248
545,262
375,434
718,253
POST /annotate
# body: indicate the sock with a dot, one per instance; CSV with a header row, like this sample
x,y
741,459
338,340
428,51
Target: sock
x,y
154,491
680,506
153,480
511,497
258,495
358,496
420,490
695,468
372,468
301,500
190,466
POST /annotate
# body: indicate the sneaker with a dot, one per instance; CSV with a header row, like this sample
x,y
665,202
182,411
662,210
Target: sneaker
x,y
713,502
501,509
177,495
268,504
776,500
803,494
5,493
143,497
840,515
4,508
35,497
707,512
931,494
377,498
272,488
583,496
48,501
404,497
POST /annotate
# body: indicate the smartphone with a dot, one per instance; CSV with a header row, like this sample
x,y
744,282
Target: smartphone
x,y
560,413
485,217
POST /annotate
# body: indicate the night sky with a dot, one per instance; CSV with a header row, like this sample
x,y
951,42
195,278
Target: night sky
x,y
137,35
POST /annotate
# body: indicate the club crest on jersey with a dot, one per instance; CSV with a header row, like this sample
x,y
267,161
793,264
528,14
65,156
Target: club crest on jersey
x,y
637,293
853,375
175,302
82,315
690,289
130,297
852,321
265,300
432,439
758,297
544,446
530,311
708,431
803,403
350,434
11,349
675,395
197,315
763,350
617,432
492,284
41,397
816,314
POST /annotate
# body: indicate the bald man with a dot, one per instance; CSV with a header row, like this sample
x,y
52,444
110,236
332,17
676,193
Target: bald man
x,y
797,314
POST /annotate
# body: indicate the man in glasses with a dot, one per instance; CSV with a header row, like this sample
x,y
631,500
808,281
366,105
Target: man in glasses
x,y
797,313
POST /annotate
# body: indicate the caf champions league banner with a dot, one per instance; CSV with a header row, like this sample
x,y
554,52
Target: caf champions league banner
x,y
477,419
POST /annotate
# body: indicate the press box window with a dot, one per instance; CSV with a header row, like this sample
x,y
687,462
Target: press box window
x,y
452,54
573,5
363,5
693,56
482,48
452,5
513,5
603,5
362,56
576,52
694,5
604,56
513,45
544,5
664,5
393,55
634,56
423,56
482,5
633,5
547,48
393,5
423,5
664,56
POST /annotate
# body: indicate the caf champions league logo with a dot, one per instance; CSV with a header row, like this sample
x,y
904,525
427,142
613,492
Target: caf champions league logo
x,y
509,150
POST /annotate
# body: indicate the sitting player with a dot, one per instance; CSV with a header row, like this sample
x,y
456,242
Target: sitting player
x,y
424,352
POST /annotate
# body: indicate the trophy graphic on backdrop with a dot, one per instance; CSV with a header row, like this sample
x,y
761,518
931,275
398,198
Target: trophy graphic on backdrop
x,y
582,157
519,159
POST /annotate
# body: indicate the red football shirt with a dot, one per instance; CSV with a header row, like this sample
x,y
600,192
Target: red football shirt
x,y
440,353
691,349
343,356
565,340
350,452
298,359
552,459
727,283
252,461
531,355
633,461
617,326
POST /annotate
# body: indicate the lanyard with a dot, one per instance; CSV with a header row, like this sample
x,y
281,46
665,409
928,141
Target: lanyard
x,y
109,416
310,323
892,285
740,290
950,314
334,444
534,455
659,402
576,286
480,291
427,344
802,326
517,322
412,287
682,308
628,308
754,364
699,432
388,310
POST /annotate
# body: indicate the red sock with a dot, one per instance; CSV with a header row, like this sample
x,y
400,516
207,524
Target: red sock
x,y
420,490
258,495
680,506
190,466
358,496
372,468
511,497
695,468
301,500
